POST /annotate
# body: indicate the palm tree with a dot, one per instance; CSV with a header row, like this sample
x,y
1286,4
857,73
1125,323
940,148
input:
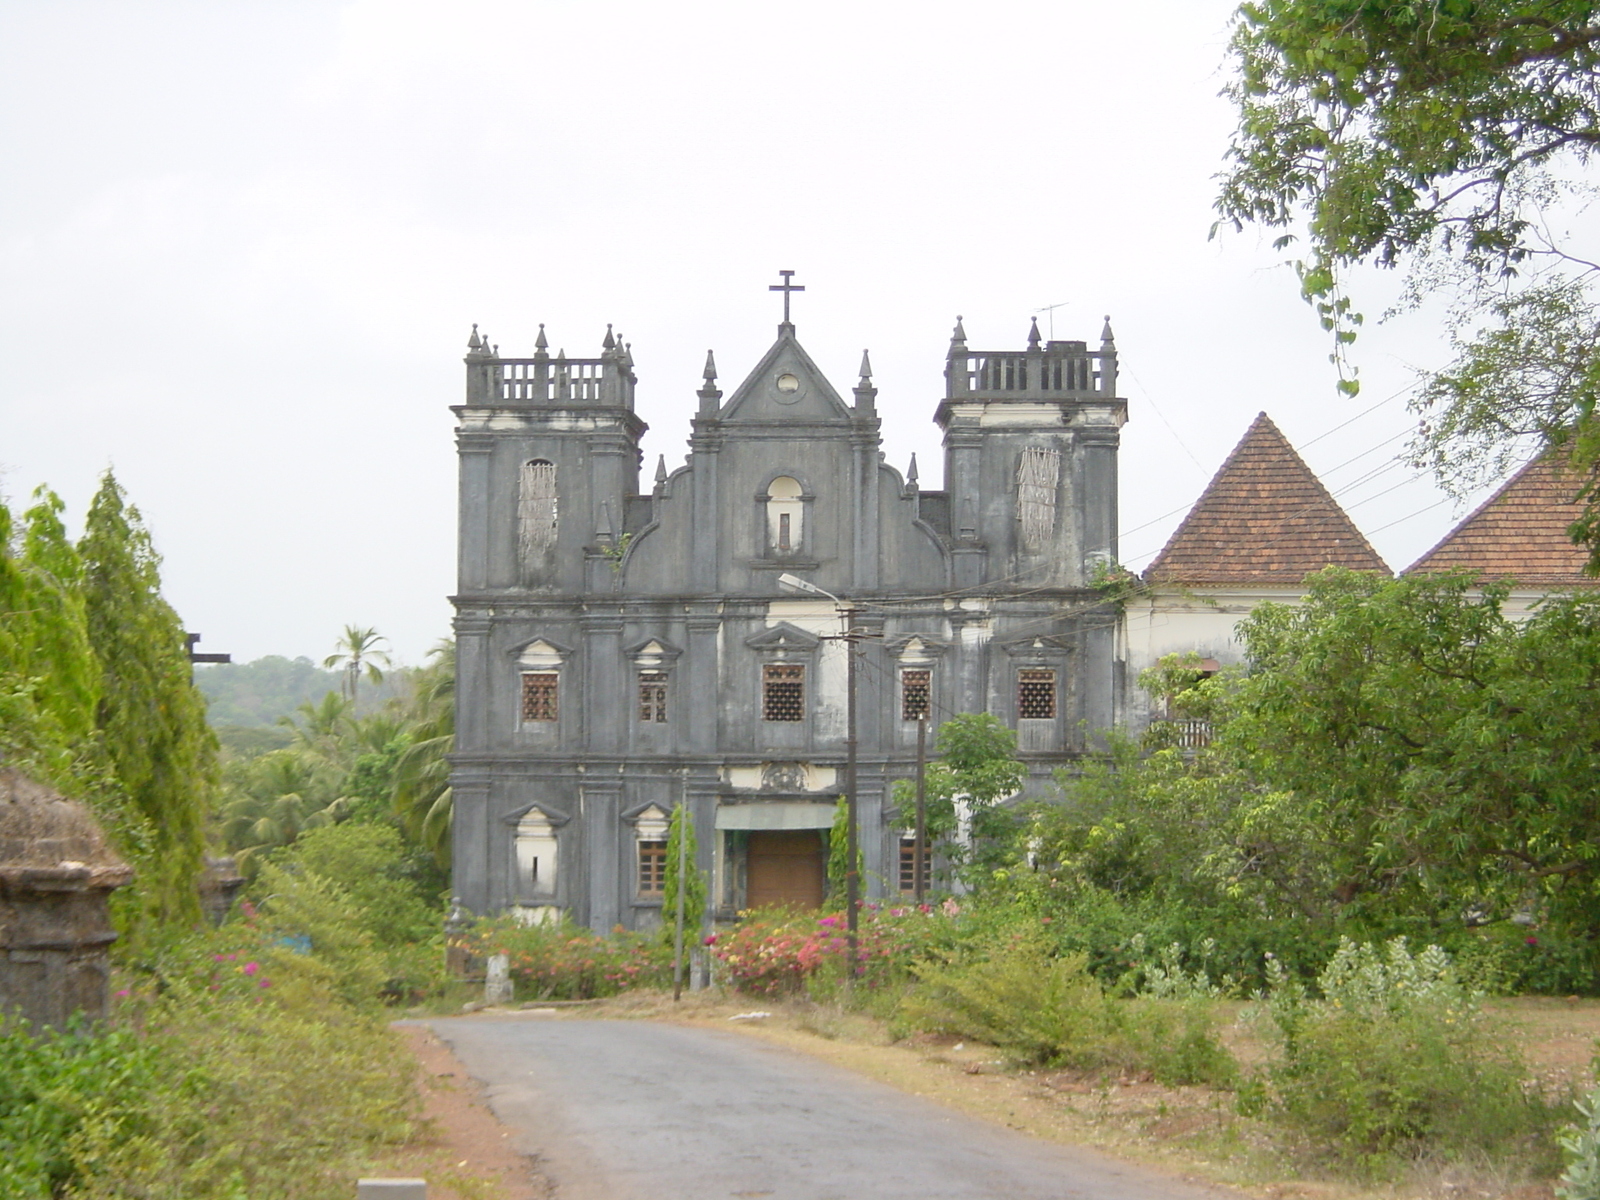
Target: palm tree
x,y
321,729
355,651
422,773
271,800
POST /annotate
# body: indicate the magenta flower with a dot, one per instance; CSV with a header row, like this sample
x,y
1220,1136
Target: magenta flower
x,y
250,968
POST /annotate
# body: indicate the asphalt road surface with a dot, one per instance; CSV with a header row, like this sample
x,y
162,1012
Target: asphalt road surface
x,y
634,1110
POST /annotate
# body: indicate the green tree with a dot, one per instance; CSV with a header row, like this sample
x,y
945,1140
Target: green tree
x,y
1445,136
269,801
975,768
356,653
150,717
1447,752
681,841
49,677
839,855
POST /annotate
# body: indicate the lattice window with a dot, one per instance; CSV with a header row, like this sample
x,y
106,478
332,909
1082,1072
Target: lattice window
x,y
783,692
536,508
652,867
653,697
908,865
539,695
914,694
1038,472
1036,694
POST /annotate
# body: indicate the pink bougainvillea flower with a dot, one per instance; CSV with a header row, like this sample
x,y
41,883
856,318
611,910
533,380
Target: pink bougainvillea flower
x,y
266,982
124,994
250,968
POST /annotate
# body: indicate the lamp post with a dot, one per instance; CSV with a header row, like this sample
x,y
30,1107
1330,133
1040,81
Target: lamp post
x,y
852,878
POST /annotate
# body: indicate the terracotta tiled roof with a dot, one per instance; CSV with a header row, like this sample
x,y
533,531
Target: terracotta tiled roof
x,y
1265,518
1520,532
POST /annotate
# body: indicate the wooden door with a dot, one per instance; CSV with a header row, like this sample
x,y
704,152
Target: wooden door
x,y
785,867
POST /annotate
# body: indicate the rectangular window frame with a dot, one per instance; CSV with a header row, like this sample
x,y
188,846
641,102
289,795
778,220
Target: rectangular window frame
x,y
1036,693
653,697
651,876
907,865
783,693
916,693
539,701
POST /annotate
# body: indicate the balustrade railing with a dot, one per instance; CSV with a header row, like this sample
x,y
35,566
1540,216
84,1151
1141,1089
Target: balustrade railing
x,y
1073,369
546,380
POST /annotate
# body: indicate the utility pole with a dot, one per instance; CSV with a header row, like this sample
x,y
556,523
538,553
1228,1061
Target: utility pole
x,y
852,874
919,853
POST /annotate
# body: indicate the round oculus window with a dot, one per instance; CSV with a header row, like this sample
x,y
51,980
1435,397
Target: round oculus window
x,y
788,384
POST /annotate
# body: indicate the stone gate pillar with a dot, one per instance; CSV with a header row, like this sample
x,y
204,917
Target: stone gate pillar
x,y
56,878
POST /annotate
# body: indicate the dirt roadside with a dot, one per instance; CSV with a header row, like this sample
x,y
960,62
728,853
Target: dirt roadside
x,y
1192,1133
463,1152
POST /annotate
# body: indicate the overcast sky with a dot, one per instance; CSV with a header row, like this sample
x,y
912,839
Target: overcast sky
x,y
242,246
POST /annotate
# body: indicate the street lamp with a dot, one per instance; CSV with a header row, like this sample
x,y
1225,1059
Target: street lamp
x,y
852,878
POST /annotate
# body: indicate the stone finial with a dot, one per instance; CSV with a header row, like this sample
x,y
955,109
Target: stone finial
x,y
541,343
610,342
661,468
959,336
1106,336
866,394
709,395
474,342
911,471
1033,335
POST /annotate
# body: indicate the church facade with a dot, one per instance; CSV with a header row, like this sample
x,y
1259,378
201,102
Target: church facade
x,y
623,650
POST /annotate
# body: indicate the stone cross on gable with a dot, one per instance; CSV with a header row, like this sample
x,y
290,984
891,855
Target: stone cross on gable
x,y
786,287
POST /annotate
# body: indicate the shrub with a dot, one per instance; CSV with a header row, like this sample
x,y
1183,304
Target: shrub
x,y
560,961
1047,1008
1581,1142
52,1086
234,1068
351,890
1396,1057
770,952
775,952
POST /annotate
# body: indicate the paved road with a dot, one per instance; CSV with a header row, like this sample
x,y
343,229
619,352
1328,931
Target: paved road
x,y
633,1110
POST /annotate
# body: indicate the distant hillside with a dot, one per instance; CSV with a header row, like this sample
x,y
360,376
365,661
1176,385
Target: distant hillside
x,y
258,693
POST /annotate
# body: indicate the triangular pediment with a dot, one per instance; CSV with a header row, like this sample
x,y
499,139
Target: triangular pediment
x,y
1264,518
786,386
783,636
553,817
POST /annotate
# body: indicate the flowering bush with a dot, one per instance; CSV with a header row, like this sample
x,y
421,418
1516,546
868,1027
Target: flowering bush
x,y
560,961
776,952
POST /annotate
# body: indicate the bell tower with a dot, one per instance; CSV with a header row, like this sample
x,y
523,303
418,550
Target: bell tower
x,y
1031,441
